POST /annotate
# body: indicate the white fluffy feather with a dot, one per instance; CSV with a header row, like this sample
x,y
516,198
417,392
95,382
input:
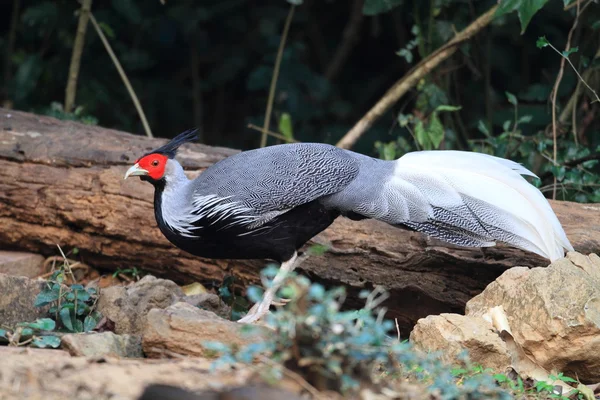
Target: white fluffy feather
x,y
445,178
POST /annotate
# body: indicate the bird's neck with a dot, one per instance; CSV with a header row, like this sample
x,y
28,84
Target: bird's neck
x,y
172,195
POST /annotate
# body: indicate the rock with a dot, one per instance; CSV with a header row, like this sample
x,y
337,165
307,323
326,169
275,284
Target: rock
x,y
183,328
102,344
40,355
554,313
451,334
17,296
17,263
54,375
250,392
209,302
128,306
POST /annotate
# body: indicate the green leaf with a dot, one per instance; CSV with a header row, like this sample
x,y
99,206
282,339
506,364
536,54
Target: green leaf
x,y
542,42
78,324
512,99
27,332
421,136
83,295
374,7
318,249
42,324
67,317
483,128
506,6
445,107
527,9
90,322
285,126
3,334
77,286
46,341
108,31
436,131
217,347
45,297
254,293
525,119
572,50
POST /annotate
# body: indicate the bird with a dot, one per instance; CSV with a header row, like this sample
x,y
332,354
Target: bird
x,y
267,203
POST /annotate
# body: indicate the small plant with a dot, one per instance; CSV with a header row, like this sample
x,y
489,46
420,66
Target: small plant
x,y
344,350
56,110
226,292
73,306
129,274
37,334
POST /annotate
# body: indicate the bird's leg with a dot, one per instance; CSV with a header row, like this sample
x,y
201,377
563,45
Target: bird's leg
x,y
260,309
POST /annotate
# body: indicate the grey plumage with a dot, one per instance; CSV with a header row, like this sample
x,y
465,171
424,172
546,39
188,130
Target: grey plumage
x,y
442,194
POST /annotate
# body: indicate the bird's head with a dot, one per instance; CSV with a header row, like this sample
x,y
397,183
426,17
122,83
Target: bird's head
x,y
156,165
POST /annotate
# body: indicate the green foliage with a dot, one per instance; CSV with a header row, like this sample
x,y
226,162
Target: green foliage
x,y
134,272
574,169
227,293
56,110
335,67
526,9
73,307
374,7
37,334
343,350
285,126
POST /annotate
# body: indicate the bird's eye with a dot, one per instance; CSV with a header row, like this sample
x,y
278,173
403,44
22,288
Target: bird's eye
x,y
155,163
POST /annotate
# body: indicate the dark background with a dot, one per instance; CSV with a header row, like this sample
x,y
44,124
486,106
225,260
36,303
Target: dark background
x,y
209,64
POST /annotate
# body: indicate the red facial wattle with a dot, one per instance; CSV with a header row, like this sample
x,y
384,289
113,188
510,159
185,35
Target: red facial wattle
x,y
155,165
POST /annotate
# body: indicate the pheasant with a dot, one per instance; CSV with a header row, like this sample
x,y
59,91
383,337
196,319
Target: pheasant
x,y
267,203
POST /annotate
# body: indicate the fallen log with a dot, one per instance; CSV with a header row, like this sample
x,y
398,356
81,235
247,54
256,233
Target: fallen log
x,y
61,182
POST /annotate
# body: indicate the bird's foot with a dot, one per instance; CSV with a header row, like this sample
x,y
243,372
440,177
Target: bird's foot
x,y
257,311
280,301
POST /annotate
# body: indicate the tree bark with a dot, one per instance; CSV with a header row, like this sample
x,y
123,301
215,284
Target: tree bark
x,y
62,183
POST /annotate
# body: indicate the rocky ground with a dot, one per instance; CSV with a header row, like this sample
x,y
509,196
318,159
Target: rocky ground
x,y
537,322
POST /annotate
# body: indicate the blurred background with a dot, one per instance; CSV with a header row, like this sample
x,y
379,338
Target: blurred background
x,y
209,63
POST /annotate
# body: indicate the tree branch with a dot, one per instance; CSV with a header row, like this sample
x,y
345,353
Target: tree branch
x,y
559,77
126,82
286,29
412,78
71,89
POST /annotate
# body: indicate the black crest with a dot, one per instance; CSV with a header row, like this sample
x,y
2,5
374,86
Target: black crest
x,y
170,149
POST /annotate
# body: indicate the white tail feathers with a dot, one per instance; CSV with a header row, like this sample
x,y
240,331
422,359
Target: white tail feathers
x,y
474,199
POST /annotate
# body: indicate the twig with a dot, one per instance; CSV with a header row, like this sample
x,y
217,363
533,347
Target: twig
x,y
275,135
572,163
66,263
559,77
71,89
115,61
412,78
350,37
271,99
575,4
